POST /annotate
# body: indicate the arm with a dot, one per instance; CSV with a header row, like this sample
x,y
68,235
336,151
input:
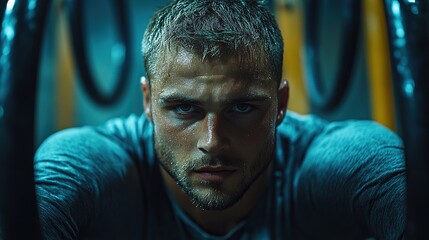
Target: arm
x,y
87,187
352,183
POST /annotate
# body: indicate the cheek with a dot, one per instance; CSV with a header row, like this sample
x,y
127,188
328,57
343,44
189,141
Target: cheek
x,y
266,127
171,136
260,135
257,137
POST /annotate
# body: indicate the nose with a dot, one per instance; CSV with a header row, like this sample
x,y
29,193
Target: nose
x,y
212,139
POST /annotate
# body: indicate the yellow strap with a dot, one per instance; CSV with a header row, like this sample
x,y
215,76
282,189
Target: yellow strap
x,y
291,25
378,64
64,71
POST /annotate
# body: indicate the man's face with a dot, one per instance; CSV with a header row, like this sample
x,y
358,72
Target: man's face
x,y
214,126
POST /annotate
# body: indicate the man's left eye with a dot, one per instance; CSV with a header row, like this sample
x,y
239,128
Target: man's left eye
x,y
242,108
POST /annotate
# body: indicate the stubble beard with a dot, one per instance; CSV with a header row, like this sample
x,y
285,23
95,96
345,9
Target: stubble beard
x,y
212,197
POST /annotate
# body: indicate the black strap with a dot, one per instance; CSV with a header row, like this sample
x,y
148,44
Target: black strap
x,y
80,48
321,98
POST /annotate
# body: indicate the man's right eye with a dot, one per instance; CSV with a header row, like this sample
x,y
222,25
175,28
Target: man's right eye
x,y
185,109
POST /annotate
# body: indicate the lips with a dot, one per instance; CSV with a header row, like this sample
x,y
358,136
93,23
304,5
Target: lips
x,y
215,174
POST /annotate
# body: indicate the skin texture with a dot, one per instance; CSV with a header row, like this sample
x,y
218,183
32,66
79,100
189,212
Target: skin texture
x,y
215,114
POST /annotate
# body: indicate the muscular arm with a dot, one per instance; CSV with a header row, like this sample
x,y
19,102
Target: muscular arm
x,y
87,187
352,184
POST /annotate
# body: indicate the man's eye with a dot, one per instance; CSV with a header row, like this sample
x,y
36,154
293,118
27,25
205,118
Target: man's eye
x,y
185,108
242,108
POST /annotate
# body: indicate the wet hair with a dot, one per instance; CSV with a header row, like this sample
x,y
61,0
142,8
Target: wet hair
x,y
213,29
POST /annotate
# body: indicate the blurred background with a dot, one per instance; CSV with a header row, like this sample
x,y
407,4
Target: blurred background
x,y
62,100
66,63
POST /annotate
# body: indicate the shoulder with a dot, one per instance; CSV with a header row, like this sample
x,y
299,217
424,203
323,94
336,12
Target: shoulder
x,y
353,171
81,172
348,154
117,136
93,154
310,137
362,133
353,143
295,126
352,148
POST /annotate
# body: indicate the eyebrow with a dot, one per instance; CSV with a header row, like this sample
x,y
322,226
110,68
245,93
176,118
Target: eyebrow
x,y
178,99
165,100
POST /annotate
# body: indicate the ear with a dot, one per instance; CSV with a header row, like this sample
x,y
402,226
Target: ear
x,y
283,99
146,97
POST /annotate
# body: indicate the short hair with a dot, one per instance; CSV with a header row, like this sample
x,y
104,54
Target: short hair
x,y
213,28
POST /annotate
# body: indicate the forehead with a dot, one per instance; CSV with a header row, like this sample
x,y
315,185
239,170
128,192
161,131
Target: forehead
x,y
184,64
210,81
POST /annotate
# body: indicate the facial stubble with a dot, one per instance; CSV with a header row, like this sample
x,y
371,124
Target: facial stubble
x,y
213,196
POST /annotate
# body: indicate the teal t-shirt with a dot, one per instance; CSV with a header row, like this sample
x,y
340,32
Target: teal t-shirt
x,y
331,180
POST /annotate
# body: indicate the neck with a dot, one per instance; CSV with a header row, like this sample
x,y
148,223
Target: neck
x,y
230,217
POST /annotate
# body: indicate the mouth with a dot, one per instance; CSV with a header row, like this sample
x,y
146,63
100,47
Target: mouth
x,y
214,174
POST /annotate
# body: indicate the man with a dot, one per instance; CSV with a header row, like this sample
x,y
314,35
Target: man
x,y
215,156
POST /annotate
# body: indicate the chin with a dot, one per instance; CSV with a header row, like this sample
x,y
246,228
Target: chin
x,y
214,197
214,202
